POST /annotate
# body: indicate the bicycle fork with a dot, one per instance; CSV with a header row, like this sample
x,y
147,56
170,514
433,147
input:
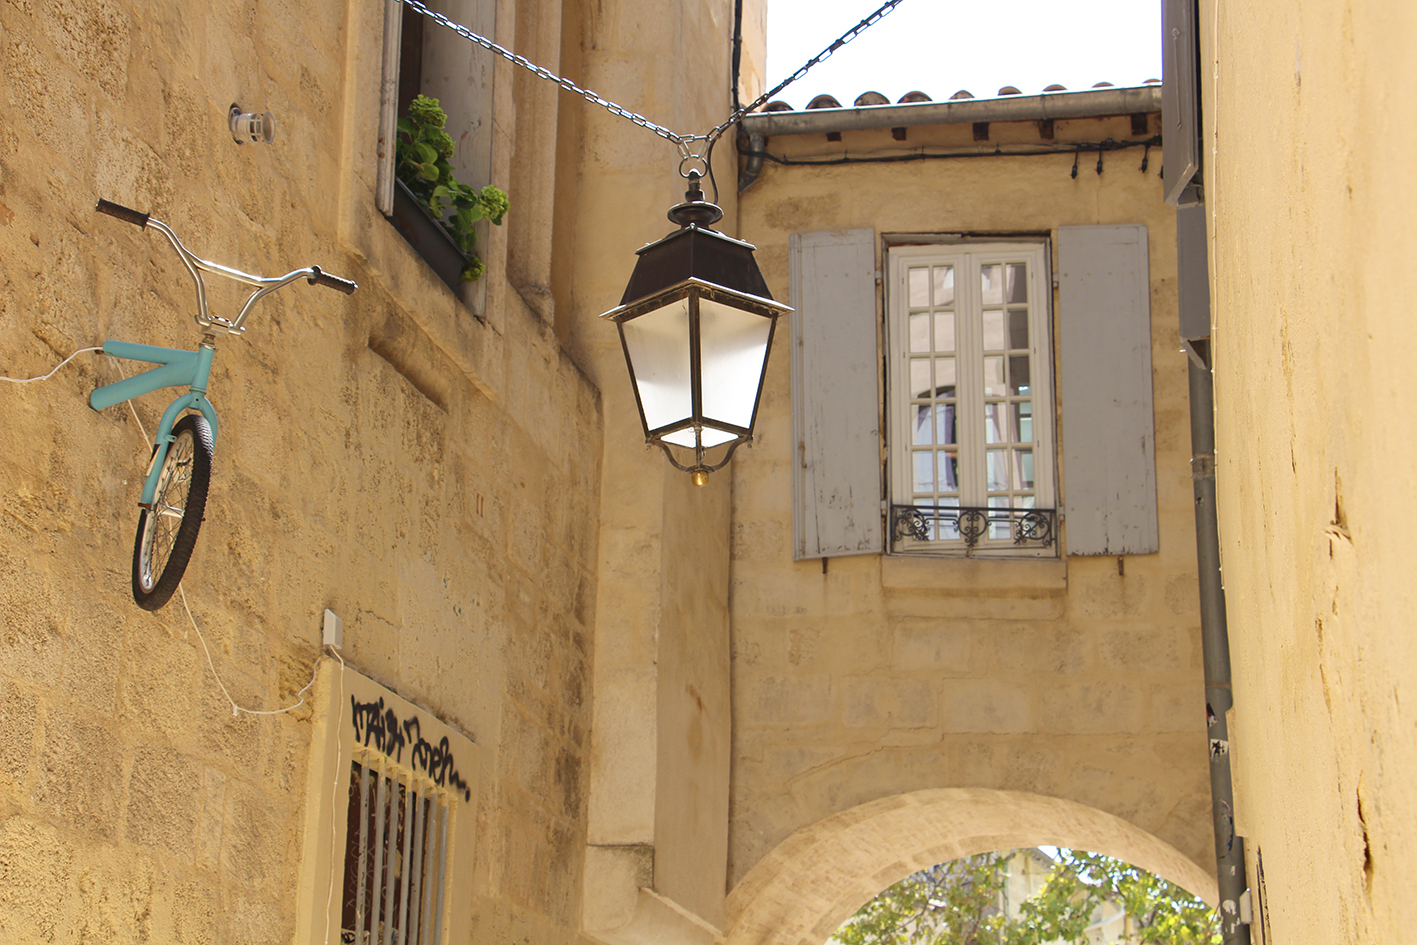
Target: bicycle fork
x,y
176,368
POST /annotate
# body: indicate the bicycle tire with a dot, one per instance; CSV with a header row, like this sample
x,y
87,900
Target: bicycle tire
x,y
161,550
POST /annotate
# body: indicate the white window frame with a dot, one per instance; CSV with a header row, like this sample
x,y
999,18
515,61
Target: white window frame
x,y
1020,535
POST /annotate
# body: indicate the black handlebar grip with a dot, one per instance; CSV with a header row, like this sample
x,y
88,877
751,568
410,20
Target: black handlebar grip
x,y
123,213
334,282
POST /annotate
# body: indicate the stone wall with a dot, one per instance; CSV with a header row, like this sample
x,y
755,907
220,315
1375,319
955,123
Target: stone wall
x,y
425,474
1310,236
867,677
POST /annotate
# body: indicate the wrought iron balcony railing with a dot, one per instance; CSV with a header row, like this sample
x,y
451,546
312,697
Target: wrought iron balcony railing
x,y
1026,528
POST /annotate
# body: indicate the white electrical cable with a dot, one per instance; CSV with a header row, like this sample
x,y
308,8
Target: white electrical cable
x,y
45,377
238,709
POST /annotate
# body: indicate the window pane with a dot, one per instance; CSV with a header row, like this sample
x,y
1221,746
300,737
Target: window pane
x,y
934,425
994,331
997,470
919,333
1023,468
994,377
991,284
658,345
923,427
945,424
920,386
949,472
1018,283
924,471
1001,527
918,281
945,331
735,345
1018,329
1021,422
1018,374
994,423
944,377
944,285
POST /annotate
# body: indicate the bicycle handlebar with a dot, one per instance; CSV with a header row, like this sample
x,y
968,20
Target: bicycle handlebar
x,y
346,286
139,220
196,266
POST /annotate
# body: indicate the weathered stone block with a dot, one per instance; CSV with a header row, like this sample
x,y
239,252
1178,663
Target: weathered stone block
x,y
888,703
976,705
943,647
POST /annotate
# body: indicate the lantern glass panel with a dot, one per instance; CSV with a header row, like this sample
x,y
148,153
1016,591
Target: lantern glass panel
x,y
733,344
658,345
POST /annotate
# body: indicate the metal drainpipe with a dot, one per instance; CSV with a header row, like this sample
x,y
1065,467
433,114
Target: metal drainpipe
x,y
754,165
1215,645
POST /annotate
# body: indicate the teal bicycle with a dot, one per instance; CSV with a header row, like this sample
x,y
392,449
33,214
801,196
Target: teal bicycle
x,y
174,497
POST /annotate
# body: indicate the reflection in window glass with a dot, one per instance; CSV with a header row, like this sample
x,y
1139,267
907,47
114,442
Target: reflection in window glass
x,y
1018,328
1018,283
945,331
919,333
997,468
1018,374
920,386
991,284
944,377
944,285
994,330
924,471
994,422
994,377
919,280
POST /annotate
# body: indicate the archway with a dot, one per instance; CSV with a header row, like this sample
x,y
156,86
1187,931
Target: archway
x,y
805,888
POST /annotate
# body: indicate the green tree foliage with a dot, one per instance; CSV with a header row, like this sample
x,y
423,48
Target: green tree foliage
x,y
421,160
959,903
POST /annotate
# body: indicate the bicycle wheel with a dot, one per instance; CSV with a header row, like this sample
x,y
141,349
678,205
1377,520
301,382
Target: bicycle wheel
x,y
167,535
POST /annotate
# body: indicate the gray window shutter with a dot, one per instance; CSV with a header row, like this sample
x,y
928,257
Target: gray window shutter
x,y
836,469
1180,102
1104,315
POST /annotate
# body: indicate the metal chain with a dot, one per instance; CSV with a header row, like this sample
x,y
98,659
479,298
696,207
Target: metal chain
x,y
822,56
682,142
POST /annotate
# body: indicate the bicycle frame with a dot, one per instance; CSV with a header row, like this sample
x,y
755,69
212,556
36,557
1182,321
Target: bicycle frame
x,y
177,368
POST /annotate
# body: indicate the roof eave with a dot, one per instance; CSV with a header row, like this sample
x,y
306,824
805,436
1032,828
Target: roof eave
x,y
1093,103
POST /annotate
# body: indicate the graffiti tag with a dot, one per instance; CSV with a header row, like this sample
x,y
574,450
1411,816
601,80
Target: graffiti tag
x,y
378,726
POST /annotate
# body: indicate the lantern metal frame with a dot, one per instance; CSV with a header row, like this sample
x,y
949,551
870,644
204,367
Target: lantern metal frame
x,y
693,264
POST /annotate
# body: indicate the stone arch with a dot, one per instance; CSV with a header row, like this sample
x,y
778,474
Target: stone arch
x,y
806,887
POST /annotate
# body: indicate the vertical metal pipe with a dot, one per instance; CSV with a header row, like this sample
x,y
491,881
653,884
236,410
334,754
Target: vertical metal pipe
x,y
1215,644
442,869
415,912
362,874
409,798
380,805
430,882
391,850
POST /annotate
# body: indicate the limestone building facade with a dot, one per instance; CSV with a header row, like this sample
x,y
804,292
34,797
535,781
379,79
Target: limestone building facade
x,y
612,706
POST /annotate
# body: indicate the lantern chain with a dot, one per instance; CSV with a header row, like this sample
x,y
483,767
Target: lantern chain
x,y
822,56
684,143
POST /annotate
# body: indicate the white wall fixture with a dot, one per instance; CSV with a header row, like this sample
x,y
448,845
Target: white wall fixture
x,y
248,126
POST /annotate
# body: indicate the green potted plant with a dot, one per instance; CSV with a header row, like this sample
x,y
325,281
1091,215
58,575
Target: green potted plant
x,y
423,170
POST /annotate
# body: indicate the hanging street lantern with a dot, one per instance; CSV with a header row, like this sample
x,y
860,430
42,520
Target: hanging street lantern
x,y
696,324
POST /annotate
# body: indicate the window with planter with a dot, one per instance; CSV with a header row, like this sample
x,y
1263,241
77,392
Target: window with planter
x,y
435,135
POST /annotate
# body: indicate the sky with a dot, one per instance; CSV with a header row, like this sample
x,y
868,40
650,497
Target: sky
x,y
940,47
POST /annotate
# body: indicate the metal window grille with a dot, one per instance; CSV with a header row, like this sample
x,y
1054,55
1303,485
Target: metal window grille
x,y
396,858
